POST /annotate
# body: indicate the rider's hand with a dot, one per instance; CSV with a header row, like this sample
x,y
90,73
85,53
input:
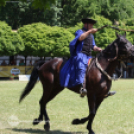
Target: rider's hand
x,y
93,30
99,49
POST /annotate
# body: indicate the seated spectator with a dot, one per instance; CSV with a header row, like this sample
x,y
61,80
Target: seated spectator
x,y
12,62
21,63
3,63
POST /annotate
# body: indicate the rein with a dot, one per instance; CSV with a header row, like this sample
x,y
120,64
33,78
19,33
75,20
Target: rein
x,y
104,72
116,48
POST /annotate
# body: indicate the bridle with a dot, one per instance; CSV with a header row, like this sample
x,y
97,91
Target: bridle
x,y
110,60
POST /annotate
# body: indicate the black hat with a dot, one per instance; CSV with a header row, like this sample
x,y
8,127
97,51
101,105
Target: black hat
x,y
88,20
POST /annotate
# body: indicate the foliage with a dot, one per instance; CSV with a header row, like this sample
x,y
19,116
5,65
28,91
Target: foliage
x,y
42,40
19,14
10,42
75,28
42,4
75,10
105,36
65,12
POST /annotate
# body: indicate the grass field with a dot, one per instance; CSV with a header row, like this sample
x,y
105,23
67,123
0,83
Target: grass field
x,y
115,115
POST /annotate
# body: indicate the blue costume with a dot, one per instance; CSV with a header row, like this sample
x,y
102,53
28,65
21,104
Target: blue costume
x,y
73,72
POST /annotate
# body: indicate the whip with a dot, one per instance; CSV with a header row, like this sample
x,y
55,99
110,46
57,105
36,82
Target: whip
x,y
116,28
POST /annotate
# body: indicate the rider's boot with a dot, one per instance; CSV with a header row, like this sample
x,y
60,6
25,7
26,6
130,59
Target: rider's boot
x,y
110,94
83,91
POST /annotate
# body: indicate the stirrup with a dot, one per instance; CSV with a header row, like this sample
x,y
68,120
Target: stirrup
x,y
83,92
111,93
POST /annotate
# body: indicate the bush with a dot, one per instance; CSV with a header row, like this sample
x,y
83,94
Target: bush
x,y
42,40
10,42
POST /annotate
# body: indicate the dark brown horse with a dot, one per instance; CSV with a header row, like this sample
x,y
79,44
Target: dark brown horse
x,y
98,79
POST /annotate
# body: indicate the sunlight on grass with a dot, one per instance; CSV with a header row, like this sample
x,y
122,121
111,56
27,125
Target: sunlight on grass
x,y
115,115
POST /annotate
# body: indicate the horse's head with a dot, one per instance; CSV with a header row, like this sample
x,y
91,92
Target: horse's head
x,y
121,48
125,48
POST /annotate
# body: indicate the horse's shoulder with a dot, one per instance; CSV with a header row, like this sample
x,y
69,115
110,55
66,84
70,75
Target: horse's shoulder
x,y
93,73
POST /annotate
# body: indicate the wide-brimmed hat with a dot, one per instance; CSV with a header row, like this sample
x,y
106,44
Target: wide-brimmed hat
x,y
88,20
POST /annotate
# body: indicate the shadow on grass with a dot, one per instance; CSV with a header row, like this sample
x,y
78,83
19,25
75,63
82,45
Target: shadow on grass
x,y
38,131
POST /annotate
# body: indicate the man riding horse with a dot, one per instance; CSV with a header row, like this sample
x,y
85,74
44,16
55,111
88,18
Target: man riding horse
x,y
73,72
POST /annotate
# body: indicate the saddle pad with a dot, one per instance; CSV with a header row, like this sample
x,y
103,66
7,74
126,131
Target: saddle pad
x,y
89,61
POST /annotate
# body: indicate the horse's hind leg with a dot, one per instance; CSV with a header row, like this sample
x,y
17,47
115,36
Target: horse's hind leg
x,y
44,100
54,92
42,112
42,103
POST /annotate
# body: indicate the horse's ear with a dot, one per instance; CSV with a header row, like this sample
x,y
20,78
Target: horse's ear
x,y
124,34
117,35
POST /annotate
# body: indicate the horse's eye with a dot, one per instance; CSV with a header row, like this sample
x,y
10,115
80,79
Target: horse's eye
x,y
123,41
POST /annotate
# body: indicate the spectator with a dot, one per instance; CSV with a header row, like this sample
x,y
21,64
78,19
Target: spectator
x,y
30,63
21,63
3,63
12,62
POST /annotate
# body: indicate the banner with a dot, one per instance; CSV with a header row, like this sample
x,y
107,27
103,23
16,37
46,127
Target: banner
x,y
8,71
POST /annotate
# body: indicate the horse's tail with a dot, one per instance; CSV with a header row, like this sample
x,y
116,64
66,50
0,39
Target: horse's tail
x,y
32,81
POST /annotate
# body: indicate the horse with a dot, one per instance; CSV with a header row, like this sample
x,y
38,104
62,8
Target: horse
x,y
98,80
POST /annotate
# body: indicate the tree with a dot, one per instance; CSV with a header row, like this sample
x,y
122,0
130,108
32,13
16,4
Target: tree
x,y
42,40
75,10
19,14
10,42
42,4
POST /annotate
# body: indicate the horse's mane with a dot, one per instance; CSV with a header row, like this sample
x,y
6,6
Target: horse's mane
x,y
107,52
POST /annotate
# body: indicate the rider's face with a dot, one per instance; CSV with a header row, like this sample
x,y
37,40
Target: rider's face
x,y
88,26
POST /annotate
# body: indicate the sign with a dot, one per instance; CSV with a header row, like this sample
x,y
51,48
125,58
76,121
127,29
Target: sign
x,y
15,71
7,71
24,77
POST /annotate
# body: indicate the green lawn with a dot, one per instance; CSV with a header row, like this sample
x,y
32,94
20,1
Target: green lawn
x,y
115,115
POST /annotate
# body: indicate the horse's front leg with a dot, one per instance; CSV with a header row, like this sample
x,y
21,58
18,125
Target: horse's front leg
x,y
92,109
94,104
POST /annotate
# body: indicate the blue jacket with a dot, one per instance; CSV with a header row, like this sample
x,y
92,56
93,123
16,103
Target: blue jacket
x,y
73,72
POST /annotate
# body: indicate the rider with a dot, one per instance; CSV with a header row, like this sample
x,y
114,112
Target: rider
x,y
73,72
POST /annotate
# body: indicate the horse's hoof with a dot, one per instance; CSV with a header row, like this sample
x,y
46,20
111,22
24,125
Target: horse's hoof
x,y
47,127
36,122
91,132
76,121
